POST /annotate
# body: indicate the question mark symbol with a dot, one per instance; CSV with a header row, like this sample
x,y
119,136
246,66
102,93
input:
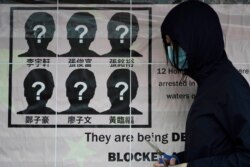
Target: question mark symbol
x,y
84,88
122,34
42,87
43,31
123,90
84,32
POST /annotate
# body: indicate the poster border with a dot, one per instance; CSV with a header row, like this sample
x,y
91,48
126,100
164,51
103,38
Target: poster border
x,y
148,125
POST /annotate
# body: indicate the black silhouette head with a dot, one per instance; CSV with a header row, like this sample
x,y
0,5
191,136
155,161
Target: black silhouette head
x,y
80,85
116,85
39,29
38,86
81,30
119,30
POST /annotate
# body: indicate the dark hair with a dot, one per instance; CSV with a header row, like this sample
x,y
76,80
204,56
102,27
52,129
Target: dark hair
x,y
124,18
81,75
40,75
40,18
124,75
81,18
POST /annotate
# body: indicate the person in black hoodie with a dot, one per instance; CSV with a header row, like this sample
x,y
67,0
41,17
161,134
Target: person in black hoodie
x,y
218,123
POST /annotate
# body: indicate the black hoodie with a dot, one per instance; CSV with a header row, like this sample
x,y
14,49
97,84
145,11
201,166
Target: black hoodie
x,y
218,123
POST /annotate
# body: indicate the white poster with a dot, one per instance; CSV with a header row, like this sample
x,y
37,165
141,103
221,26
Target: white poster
x,y
89,85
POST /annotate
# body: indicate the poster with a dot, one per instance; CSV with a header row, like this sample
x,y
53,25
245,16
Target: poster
x,y
126,98
76,65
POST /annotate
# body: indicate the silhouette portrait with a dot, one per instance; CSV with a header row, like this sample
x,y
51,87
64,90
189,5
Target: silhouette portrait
x,y
38,89
81,30
122,89
80,89
121,28
39,32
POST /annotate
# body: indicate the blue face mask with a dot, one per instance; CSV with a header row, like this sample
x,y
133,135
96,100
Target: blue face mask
x,y
182,58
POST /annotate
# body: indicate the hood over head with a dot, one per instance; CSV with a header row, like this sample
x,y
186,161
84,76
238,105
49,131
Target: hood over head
x,y
195,27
